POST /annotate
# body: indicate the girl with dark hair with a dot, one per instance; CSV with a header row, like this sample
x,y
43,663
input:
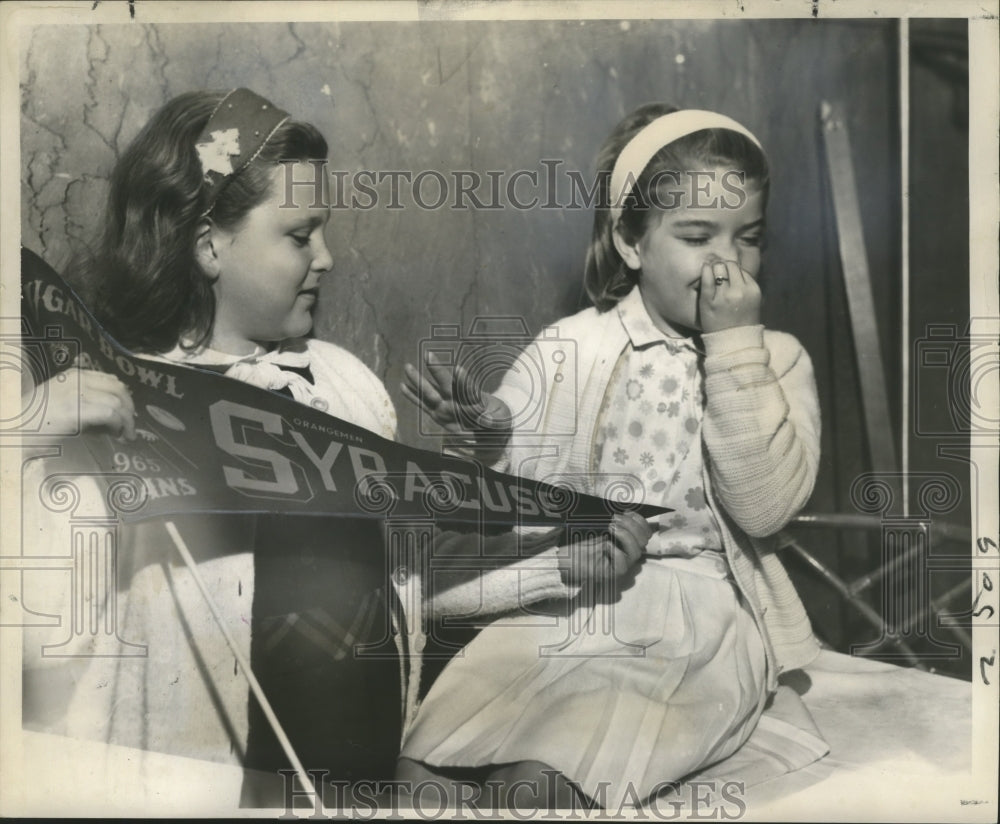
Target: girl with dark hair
x,y
682,390
203,262
155,287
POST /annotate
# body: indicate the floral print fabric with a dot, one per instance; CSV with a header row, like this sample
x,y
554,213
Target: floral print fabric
x,y
649,427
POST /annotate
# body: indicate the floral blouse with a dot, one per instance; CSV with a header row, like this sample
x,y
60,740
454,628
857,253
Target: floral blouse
x,y
649,427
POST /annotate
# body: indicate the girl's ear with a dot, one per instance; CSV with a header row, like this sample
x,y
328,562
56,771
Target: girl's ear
x,y
629,251
204,250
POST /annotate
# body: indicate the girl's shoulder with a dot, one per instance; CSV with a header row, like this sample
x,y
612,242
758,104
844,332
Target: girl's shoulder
x,y
344,374
582,323
332,359
327,352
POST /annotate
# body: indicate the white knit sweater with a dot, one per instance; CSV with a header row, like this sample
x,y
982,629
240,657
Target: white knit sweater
x,y
762,434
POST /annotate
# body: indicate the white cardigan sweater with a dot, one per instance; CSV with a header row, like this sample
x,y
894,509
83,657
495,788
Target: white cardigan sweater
x,y
762,434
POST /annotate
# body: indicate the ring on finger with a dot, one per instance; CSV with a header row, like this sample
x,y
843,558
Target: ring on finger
x,y
720,281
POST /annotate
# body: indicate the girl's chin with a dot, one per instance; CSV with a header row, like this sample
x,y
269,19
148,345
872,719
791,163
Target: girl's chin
x,y
300,332
289,333
300,327
684,328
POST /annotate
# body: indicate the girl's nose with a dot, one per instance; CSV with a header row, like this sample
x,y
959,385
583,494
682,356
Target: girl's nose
x,y
723,250
322,260
730,247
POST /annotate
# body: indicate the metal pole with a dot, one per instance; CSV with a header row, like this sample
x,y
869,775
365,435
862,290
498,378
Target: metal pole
x,y
904,216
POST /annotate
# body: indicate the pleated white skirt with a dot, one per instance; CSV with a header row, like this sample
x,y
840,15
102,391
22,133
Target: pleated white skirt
x,y
620,697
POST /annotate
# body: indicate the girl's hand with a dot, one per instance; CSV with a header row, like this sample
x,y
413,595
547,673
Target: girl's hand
x,y
729,297
96,401
610,558
454,400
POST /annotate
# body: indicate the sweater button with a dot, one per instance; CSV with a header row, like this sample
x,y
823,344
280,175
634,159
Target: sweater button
x,y
320,404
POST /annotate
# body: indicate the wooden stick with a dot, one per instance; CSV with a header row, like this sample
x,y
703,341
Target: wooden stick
x,y
857,280
272,719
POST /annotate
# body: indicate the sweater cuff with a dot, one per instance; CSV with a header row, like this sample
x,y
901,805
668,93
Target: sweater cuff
x,y
502,590
727,341
541,584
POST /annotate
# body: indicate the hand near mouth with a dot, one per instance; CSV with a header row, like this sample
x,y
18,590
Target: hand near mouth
x,y
728,297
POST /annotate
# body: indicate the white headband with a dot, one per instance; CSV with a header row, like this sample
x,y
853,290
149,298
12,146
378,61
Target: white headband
x,y
653,137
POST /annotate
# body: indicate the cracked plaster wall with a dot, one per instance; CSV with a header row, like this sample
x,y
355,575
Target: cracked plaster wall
x,y
447,96
480,96
450,96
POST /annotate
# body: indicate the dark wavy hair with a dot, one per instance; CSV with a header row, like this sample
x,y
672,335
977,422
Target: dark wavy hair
x,y
606,277
150,291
